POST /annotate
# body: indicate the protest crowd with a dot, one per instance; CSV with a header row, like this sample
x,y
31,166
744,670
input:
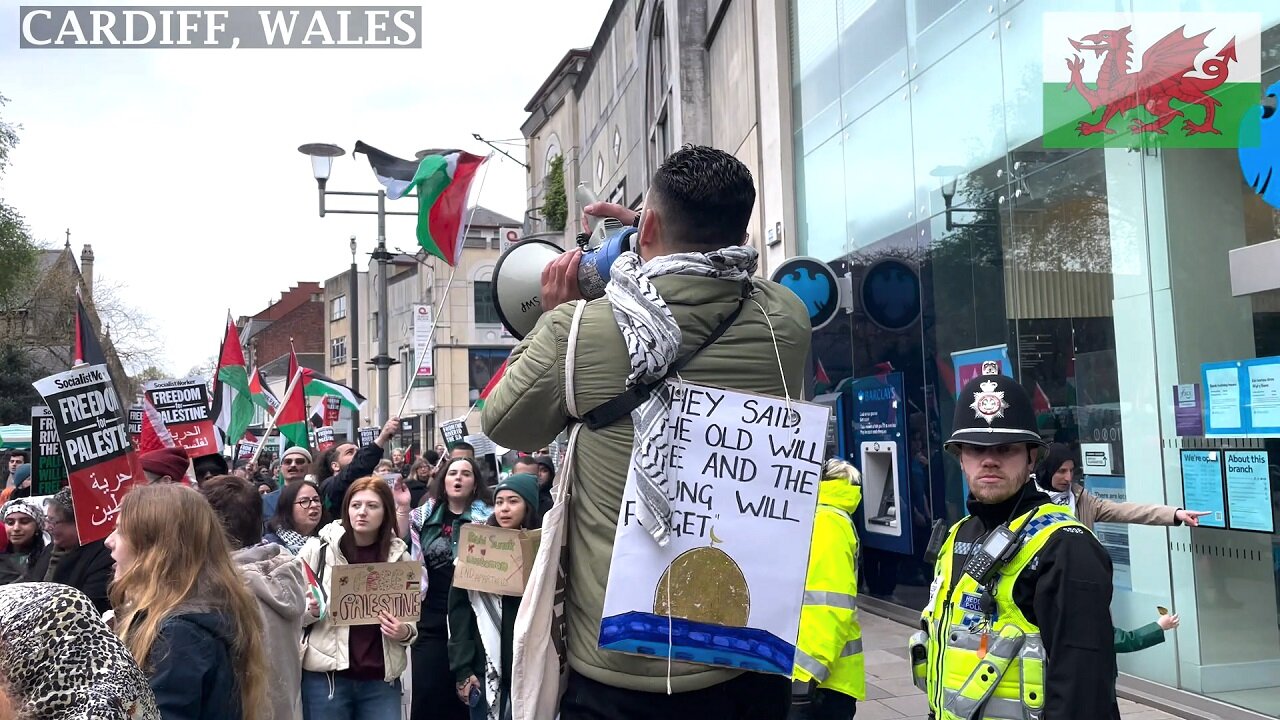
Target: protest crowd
x,y
356,582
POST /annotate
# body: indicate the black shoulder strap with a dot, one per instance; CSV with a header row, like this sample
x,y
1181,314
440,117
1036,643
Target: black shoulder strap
x,y
621,405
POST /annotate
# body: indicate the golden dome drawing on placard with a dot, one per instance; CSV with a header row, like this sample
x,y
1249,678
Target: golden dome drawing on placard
x,y
704,585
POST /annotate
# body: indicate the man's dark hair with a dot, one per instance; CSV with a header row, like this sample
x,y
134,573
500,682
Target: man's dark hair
x,y
322,468
238,506
207,466
705,197
463,445
432,457
20,453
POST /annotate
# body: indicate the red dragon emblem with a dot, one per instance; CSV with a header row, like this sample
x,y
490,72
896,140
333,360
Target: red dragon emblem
x,y
1165,76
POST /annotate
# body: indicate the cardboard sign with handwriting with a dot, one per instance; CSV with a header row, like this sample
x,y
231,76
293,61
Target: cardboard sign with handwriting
x,y
358,592
494,559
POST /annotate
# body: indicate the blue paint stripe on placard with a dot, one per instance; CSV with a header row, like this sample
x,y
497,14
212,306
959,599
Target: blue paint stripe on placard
x,y
752,649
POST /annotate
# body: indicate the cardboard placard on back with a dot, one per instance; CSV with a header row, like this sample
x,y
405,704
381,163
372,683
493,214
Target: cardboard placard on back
x,y
94,442
494,559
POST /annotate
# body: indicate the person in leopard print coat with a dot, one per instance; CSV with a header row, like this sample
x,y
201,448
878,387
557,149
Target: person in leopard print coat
x,y
61,662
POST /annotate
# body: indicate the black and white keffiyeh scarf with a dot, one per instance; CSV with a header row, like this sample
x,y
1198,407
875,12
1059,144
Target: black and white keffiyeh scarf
x,y
653,341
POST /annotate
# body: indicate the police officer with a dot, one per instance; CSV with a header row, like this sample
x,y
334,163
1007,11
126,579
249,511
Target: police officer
x,y
1018,623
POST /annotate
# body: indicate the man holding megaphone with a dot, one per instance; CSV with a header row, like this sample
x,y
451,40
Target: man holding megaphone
x,y
681,298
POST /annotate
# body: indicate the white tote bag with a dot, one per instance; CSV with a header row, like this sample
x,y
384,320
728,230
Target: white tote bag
x,y
540,652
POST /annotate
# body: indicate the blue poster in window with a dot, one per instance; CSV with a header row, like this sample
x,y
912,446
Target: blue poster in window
x,y
1248,491
1261,381
969,364
1113,536
1202,486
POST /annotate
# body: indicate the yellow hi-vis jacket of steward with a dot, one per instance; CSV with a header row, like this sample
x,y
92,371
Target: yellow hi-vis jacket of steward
x,y
979,667
830,644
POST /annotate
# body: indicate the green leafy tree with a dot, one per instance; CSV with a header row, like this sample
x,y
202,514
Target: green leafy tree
x,y
17,252
17,394
555,206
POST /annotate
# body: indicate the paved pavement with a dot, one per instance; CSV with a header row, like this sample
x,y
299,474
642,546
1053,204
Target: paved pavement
x,y
892,696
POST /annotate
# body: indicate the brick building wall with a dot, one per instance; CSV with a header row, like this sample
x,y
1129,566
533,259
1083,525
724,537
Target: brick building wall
x,y
305,324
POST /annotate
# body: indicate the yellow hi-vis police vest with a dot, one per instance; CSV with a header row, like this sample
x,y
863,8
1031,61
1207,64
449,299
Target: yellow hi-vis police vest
x,y
977,667
829,649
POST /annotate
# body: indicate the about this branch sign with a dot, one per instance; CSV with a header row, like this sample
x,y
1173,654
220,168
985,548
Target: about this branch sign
x,y
742,473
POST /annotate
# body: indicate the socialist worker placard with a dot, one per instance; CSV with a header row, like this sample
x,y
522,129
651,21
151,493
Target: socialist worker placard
x,y
94,441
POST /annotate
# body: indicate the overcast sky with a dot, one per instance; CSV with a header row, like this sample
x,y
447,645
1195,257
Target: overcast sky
x,y
181,166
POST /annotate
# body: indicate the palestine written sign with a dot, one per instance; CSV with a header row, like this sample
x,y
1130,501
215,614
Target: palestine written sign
x,y
324,438
101,463
359,591
332,409
184,405
741,467
48,473
135,422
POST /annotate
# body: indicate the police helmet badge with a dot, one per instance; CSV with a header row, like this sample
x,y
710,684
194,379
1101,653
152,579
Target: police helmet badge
x,y
989,403
990,367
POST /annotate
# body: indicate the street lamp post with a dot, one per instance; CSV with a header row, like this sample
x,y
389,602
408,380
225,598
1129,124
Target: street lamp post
x,y
322,155
353,321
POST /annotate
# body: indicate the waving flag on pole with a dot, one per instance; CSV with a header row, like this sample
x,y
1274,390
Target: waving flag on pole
x,y
493,383
155,435
316,385
232,401
291,420
443,181
261,393
85,347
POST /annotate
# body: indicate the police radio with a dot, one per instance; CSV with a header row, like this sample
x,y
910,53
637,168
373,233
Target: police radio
x,y
998,548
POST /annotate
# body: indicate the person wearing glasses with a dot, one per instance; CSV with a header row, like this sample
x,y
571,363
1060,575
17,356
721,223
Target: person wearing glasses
x,y
293,469
299,516
1057,475
87,568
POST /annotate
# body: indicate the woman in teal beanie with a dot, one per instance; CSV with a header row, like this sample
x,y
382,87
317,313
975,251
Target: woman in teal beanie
x,y
481,624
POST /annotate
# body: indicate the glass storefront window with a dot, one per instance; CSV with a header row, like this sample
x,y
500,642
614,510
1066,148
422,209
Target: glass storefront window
x,y
1102,276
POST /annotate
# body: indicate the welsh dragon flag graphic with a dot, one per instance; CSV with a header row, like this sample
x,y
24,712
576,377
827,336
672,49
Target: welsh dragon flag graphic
x,y
232,401
443,181
1176,80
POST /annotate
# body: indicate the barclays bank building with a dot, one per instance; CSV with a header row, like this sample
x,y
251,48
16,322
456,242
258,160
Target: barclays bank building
x,y
1083,193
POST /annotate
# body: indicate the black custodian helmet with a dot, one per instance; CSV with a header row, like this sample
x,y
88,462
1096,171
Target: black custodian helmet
x,y
994,410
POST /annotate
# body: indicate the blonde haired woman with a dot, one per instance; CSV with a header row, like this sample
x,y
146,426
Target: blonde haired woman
x,y
183,610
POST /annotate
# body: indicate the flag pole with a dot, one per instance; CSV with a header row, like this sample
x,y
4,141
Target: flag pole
x,y
271,425
421,356
435,316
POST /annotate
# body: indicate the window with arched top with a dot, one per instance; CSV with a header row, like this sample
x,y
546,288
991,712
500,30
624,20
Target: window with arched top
x,y
553,151
659,89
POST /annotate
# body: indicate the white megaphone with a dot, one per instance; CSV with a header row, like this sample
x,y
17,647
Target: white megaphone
x,y
517,277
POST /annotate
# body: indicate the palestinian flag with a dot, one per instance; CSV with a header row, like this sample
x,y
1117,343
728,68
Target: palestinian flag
x,y
394,173
291,420
232,401
293,362
316,385
85,347
313,587
493,383
261,393
443,181
155,435
1174,80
